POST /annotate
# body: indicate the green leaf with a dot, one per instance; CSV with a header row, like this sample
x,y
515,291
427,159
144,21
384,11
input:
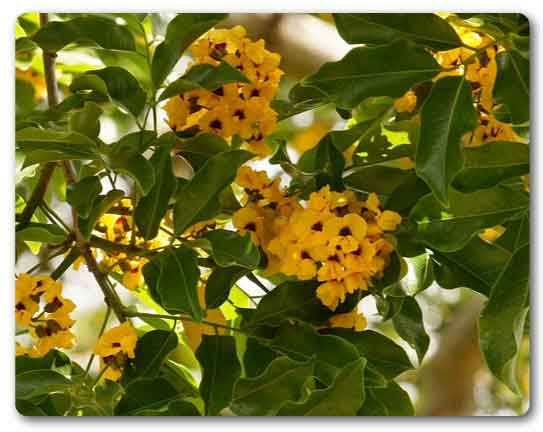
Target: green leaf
x,y
140,169
40,232
198,149
387,70
302,342
512,86
282,381
229,249
382,180
204,76
28,409
151,208
132,144
172,277
517,234
113,82
380,28
389,401
295,300
489,164
24,44
81,195
133,62
146,394
220,282
182,408
447,114
43,145
388,358
181,32
220,370
87,120
100,31
29,384
101,204
376,149
342,398
151,351
410,326
195,200
423,269
54,359
476,266
502,320
450,229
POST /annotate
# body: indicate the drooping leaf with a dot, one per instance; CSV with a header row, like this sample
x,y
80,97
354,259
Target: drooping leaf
x,y
82,194
172,277
342,398
382,180
32,383
221,368
231,249
132,144
450,229
100,31
410,326
502,320
447,114
380,28
42,145
113,82
282,381
151,351
423,268
182,30
389,401
387,70
86,120
198,197
204,76
40,232
140,169
382,353
475,266
512,86
302,342
220,283
200,148
101,204
291,300
489,164
146,394
152,207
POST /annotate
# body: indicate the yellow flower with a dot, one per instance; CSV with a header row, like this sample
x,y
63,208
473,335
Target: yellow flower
x,y
115,347
250,220
308,138
177,110
331,294
133,278
388,220
351,320
406,103
349,225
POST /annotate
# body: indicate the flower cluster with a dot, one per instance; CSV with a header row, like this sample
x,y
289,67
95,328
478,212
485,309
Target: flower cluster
x,y
41,308
480,71
241,109
334,237
115,347
119,228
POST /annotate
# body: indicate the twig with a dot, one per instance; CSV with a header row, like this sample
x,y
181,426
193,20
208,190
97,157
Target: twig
x,y
104,324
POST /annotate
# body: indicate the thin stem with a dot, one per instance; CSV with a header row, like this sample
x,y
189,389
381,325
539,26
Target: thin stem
x,y
37,194
257,282
104,324
54,215
97,380
65,264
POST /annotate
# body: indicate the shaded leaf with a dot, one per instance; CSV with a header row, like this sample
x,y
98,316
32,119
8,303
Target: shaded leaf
x,y
447,114
410,326
425,29
146,394
512,86
390,401
282,381
231,249
502,320
450,229
87,120
379,179
220,368
32,383
40,232
151,351
81,195
101,204
220,283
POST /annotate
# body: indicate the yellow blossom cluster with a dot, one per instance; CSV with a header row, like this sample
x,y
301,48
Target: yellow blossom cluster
x,y
481,72
119,228
115,347
241,109
334,237
41,308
